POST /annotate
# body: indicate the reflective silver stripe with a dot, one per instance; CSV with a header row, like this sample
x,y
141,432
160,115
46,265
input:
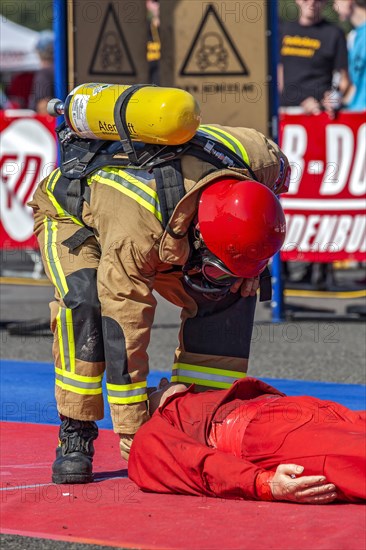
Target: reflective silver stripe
x,y
203,376
77,383
65,339
226,139
154,201
127,393
52,257
140,174
222,136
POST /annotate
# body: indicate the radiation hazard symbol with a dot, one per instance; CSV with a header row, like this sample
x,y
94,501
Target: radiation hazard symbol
x,y
212,51
111,54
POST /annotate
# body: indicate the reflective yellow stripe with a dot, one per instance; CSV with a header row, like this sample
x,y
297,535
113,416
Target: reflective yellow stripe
x,y
60,339
52,259
53,179
65,332
79,377
208,383
70,338
75,383
127,400
123,394
80,391
139,184
46,253
205,376
64,327
227,139
50,188
208,130
126,387
119,186
56,259
209,370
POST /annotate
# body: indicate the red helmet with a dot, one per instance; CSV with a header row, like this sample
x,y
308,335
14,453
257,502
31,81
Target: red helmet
x,y
242,223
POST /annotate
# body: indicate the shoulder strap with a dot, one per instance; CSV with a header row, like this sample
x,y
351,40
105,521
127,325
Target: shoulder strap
x,y
70,195
120,121
217,154
76,154
169,187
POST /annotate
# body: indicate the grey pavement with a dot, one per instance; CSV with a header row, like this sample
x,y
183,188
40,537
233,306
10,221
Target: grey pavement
x,y
14,542
326,348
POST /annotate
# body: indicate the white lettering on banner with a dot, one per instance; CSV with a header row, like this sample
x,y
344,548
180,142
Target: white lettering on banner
x,y
338,168
27,155
294,144
322,233
339,143
357,184
323,204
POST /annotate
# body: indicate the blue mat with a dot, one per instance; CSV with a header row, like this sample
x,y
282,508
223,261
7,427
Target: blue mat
x,y
27,389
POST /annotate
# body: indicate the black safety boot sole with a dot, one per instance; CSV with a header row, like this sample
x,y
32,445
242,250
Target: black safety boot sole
x,y
71,479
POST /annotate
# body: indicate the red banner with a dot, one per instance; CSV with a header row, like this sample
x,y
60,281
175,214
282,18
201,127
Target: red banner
x,y
326,205
325,208
28,153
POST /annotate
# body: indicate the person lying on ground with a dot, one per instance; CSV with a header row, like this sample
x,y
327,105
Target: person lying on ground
x,y
250,442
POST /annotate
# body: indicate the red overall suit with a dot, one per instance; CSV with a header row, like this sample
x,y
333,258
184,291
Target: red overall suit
x,y
228,443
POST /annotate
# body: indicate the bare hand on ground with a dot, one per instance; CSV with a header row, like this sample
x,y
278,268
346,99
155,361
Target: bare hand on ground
x,y
313,489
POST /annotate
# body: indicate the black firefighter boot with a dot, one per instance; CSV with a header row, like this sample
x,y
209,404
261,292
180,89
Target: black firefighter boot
x,y
74,454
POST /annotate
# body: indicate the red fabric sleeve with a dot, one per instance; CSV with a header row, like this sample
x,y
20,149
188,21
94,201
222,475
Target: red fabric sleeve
x,y
263,488
163,459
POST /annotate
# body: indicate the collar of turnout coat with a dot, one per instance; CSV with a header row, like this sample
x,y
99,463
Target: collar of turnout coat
x,y
174,245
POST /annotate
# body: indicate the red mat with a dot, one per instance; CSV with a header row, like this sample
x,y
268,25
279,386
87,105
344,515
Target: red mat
x,y
113,511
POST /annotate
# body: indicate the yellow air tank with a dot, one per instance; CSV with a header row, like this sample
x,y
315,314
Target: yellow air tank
x,y
152,114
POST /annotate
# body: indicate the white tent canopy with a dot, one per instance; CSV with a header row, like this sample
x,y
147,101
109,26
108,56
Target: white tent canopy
x,y
17,47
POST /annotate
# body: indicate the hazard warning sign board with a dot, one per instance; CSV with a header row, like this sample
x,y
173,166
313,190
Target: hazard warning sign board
x,y
106,42
212,51
218,51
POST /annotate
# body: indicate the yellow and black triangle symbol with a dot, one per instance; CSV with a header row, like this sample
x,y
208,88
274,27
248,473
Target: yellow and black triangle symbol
x,y
212,52
111,55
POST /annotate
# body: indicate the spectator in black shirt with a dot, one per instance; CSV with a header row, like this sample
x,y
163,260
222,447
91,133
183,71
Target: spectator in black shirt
x,y
312,50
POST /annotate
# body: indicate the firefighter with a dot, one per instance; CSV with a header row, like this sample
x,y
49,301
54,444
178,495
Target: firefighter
x,y
202,245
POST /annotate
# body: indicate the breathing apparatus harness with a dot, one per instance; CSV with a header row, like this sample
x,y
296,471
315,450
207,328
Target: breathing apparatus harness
x,y
80,157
